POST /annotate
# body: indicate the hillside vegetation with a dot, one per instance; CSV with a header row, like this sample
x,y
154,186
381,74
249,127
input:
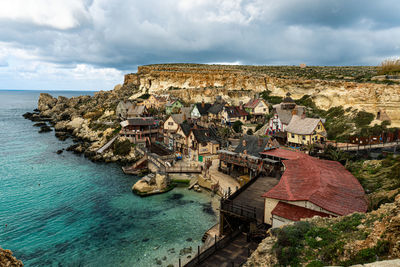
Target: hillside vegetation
x,y
353,239
349,73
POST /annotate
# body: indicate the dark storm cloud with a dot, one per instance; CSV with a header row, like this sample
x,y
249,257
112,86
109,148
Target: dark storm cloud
x,y
122,34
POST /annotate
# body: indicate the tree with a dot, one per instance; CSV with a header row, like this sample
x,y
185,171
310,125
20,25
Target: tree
x,y
237,126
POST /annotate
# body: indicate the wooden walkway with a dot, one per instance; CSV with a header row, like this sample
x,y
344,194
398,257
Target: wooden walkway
x,y
234,254
252,195
109,143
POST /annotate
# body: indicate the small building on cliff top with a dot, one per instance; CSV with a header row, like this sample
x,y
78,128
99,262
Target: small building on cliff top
x,y
311,187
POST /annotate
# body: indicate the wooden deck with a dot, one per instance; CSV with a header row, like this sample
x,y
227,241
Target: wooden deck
x,y
251,196
235,254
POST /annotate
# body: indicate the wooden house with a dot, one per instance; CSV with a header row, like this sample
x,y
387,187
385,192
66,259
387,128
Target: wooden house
x,y
283,114
140,130
122,109
202,143
305,131
156,101
311,187
231,114
137,111
173,106
257,107
200,110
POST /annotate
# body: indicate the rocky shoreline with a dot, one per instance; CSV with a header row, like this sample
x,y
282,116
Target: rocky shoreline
x,y
7,259
90,122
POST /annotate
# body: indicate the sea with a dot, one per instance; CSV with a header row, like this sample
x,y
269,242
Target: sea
x,y
64,210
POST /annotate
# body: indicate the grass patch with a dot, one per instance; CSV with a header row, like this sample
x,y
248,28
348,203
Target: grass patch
x,y
389,66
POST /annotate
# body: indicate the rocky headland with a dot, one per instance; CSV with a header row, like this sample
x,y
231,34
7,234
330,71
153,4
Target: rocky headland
x,y
89,120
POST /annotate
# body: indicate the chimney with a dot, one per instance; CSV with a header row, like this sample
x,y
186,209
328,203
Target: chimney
x,y
241,105
303,116
294,112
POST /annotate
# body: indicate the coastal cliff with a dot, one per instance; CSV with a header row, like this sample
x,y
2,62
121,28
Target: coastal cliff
x,y
89,120
328,86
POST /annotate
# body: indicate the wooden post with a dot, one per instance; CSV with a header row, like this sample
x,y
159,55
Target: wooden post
x,y
179,262
198,254
215,242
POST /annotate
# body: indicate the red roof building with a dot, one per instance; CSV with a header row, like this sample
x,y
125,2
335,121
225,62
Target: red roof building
x,y
295,213
284,154
318,185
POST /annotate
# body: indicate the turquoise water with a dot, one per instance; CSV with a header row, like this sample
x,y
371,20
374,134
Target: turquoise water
x,y
63,210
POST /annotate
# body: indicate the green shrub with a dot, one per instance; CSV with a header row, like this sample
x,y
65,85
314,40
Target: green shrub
x,y
290,242
122,148
237,126
315,263
363,118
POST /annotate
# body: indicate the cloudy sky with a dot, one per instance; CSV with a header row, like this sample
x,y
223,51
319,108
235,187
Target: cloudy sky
x,y
90,44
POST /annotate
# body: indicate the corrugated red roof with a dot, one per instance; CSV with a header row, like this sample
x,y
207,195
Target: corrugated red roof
x,y
252,103
284,153
295,213
325,183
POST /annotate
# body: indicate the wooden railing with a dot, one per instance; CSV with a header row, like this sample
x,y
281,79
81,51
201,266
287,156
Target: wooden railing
x,y
240,210
205,252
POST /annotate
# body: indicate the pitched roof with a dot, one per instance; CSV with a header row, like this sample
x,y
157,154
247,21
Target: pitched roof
x,y
285,115
253,145
299,125
284,153
202,135
137,110
161,98
295,213
234,112
203,108
187,111
186,127
253,103
216,108
325,183
178,118
171,102
139,121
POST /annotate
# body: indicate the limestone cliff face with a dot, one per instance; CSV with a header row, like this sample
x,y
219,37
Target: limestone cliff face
x,y
370,97
194,83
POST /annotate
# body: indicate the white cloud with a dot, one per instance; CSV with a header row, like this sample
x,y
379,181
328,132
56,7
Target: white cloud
x,y
94,42
58,14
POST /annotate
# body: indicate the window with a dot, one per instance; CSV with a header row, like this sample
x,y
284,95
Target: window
x,y
292,135
304,137
319,126
170,123
265,109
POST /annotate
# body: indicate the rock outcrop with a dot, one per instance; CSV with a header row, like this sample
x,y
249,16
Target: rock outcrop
x,y
8,260
151,184
328,86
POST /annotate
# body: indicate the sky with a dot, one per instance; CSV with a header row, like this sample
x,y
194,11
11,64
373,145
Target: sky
x,y
91,44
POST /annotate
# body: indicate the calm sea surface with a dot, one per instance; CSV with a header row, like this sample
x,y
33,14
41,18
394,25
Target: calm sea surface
x,y
63,210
